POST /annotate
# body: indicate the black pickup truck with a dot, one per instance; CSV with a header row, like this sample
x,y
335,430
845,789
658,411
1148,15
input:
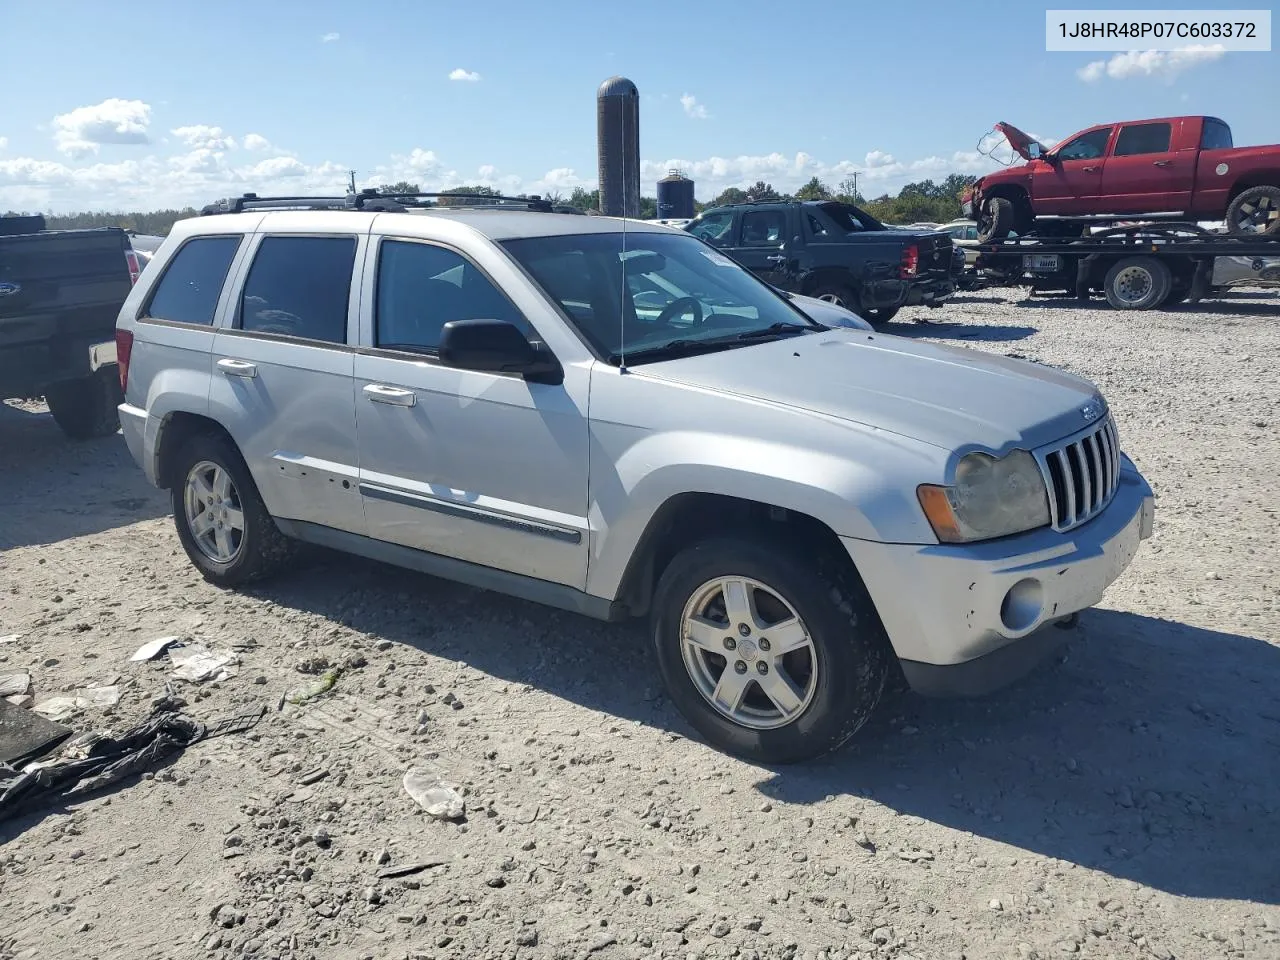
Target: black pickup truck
x,y
833,251
60,292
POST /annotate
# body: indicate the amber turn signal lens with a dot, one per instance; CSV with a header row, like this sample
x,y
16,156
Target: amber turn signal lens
x,y
937,509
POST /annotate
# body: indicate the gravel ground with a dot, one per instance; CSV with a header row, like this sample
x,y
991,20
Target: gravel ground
x,y
1115,804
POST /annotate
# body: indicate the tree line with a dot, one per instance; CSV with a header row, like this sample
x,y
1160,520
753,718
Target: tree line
x,y
924,201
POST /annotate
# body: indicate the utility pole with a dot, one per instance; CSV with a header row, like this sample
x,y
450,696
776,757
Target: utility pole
x,y
351,183
855,185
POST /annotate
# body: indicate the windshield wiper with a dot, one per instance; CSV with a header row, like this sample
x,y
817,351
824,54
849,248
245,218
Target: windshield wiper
x,y
774,329
672,348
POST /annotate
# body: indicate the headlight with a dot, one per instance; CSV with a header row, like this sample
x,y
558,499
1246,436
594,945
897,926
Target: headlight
x,y
990,498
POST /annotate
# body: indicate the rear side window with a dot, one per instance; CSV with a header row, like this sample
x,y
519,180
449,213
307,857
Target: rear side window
x,y
300,287
1141,138
763,228
1215,136
189,290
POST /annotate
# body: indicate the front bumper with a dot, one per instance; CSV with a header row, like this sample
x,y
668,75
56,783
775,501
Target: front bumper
x,y
969,619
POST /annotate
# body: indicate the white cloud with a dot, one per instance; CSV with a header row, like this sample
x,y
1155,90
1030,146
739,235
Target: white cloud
x,y
4,142
112,121
468,75
275,168
1165,64
878,158
202,135
692,107
487,172
256,142
331,38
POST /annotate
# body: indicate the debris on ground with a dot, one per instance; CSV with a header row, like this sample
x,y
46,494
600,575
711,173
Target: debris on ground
x,y
196,663
323,686
153,648
15,684
438,798
25,734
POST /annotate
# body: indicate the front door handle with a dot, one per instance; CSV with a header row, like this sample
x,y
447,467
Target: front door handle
x,y
1089,169
777,258
1161,163
237,368
380,393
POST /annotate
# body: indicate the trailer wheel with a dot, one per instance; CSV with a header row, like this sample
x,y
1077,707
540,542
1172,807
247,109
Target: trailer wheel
x,y
995,219
1137,283
1255,211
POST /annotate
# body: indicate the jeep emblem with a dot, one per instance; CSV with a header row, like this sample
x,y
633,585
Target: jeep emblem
x,y
8,289
1089,412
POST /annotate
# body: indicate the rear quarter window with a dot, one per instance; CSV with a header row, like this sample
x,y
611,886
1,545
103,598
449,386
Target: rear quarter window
x,y
189,288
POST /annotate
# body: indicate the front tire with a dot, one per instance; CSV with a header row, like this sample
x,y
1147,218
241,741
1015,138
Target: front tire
x,y
1255,211
222,522
995,220
771,655
87,408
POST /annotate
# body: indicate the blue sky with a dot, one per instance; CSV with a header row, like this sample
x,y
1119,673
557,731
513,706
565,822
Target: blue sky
x,y
187,102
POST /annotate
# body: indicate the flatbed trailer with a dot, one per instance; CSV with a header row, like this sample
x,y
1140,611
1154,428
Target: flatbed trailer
x,y
1136,267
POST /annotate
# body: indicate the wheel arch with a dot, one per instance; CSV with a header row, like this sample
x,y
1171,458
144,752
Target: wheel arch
x,y
176,428
686,518
829,276
1254,178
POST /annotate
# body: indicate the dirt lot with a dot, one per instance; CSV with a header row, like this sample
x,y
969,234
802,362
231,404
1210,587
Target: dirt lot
x,y
1122,803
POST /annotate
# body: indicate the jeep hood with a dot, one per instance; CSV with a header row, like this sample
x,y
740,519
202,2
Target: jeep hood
x,y
1019,141
950,397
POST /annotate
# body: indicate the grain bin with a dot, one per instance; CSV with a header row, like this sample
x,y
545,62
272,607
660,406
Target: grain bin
x,y
675,197
618,142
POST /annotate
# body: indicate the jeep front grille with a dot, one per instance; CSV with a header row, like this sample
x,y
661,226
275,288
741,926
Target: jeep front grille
x,y
1082,474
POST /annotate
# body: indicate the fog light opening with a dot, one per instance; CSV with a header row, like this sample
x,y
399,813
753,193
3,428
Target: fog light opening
x,y
1022,605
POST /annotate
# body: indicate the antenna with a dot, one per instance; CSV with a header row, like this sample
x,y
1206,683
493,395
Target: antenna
x,y
622,258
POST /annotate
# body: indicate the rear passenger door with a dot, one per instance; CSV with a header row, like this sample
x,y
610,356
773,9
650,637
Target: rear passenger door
x,y
282,374
1144,174
483,467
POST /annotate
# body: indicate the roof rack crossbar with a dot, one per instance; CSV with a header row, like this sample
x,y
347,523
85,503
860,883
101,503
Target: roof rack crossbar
x,y
370,199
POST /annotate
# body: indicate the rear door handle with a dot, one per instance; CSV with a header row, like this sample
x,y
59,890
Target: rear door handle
x,y
1161,163
380,393
238,368
777,258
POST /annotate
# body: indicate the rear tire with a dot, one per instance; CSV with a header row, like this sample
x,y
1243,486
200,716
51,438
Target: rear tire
x,y
843,296
995,220
1137,283
1255,211
221,520
89,407
787,706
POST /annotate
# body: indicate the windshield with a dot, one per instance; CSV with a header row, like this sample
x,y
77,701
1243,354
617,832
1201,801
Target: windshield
x,y
680,296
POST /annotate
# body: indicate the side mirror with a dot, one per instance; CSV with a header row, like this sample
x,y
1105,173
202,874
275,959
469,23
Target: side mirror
x,y
496,346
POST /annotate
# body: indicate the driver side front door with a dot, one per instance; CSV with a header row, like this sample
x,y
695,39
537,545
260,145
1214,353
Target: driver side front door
x,y
1072,183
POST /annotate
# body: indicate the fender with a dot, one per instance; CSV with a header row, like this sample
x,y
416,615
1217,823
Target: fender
x,y
857,498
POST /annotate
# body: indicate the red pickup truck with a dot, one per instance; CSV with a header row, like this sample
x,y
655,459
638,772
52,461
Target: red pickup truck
x,y
1182,167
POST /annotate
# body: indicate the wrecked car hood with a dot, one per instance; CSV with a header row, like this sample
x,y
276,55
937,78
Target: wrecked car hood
x,y
1019,141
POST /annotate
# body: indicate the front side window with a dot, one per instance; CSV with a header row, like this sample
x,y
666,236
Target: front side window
x,y
192,283
647,294
1139,138
1087,146
421,287
300,287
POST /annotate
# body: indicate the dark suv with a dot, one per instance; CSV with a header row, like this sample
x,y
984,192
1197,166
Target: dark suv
x,y
833,251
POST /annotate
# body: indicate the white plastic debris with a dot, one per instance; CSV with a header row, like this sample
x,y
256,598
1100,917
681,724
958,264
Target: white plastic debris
x,y
14,684
439,799
62,708
11,638
153,648
197,663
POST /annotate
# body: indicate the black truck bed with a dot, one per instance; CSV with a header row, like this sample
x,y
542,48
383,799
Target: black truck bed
x,y
60,292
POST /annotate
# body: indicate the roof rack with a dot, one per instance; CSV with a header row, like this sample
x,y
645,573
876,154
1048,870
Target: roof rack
x,y
370,199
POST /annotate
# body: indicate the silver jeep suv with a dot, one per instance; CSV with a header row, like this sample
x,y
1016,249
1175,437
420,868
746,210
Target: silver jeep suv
x,y
614,418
